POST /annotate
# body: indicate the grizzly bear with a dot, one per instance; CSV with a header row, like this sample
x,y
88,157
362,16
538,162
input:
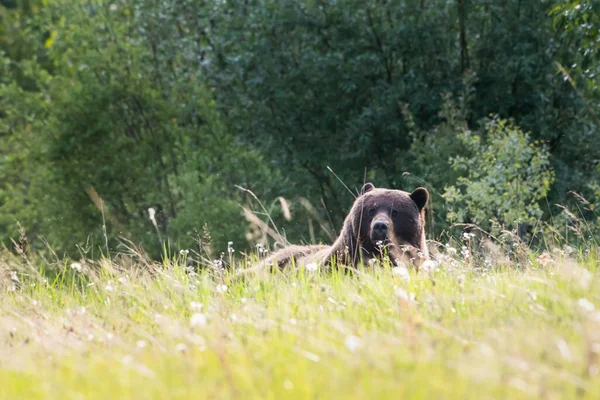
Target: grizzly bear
x,y
381,221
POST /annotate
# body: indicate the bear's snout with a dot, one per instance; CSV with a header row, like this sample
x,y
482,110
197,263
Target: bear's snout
x,y
379,230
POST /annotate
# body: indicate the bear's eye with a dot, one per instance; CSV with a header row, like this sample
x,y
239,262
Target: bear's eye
x,y
394,213
371,212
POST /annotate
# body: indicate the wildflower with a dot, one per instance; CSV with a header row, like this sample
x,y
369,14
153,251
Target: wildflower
x,y
311,266
451,250
180,348
260,248
352,343
465,252
429,265
109,287
586,305
568,250
198,319
76,266
196,306
401,294
184,252
402,272
140,344
221,288
218,263
230,248
123,280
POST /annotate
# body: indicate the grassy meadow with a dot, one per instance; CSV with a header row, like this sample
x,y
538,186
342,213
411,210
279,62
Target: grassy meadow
x,y
131,328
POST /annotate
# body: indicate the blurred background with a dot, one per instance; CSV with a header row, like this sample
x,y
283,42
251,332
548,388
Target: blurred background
x,y
244,121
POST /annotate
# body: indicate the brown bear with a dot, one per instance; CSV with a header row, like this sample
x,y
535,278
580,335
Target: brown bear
x,y
381,221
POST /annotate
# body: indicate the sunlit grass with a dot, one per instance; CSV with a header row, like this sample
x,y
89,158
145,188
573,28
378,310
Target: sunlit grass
x,y
117,329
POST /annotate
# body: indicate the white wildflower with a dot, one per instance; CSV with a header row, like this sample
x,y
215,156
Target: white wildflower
x,y
197,320
180,348
586,305
221,288
568,250
109,287
76,266
196,306
401,293
352,343
140,344
402,272
311,267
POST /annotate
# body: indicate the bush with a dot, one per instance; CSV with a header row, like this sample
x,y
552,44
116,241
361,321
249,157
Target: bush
x,y
503,177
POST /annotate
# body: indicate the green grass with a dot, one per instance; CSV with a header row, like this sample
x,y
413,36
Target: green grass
x,y
156,331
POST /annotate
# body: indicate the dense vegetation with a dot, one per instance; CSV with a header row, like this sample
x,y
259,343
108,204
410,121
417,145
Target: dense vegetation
x,y
111,108
132,328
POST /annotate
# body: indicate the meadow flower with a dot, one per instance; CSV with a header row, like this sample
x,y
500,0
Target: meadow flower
x,y
221,288
401,293
401,271
568,250
230,248
140,344
311,266
184,252
465,252
451,250
76,266
109,287
429,265
352,343
198,319
196,306
586,305
180,348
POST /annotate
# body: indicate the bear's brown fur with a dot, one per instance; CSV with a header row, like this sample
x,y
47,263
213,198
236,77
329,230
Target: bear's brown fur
x,y
381,221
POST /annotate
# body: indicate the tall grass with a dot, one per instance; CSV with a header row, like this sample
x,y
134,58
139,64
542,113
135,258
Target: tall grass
x,y
132,328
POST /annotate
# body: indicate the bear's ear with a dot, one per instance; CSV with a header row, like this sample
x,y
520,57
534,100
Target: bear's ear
x,y
367,187
420,196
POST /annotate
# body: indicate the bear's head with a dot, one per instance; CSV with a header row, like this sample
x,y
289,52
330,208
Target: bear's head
x,y
380,219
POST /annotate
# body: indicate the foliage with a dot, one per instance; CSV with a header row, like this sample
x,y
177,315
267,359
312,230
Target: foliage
x,y
108,109
503,179
117,134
